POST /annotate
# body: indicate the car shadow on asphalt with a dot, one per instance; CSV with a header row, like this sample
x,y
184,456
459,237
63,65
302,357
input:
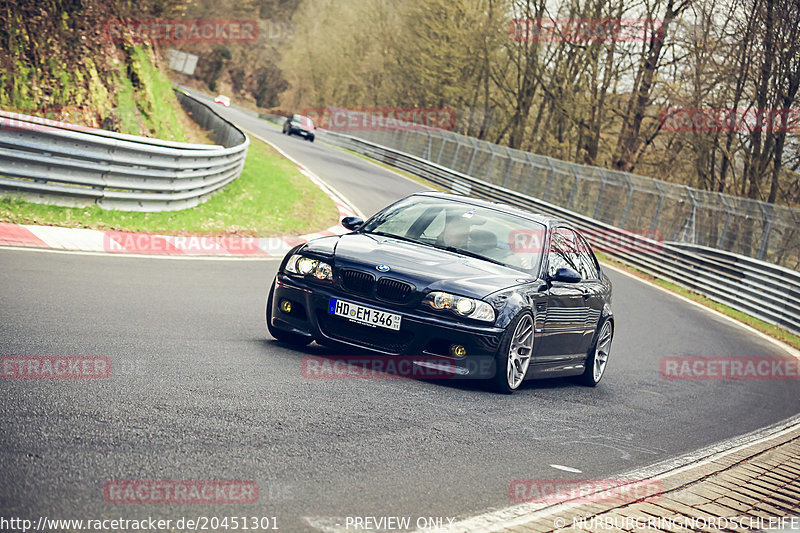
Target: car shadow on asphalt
x,y
315,352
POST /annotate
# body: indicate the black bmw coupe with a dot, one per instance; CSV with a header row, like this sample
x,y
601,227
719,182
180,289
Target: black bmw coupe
x,y
436,277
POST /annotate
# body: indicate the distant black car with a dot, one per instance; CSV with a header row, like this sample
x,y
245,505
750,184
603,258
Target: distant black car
x,y
300,125
453,279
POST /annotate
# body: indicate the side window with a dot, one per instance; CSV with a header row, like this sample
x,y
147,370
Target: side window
x,y
574,251
559,255
588,259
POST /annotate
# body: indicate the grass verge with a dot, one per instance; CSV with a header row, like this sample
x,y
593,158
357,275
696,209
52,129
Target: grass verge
x,y
755,323
270,198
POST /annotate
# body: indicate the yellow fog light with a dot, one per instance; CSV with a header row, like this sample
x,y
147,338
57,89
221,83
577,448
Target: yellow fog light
x,y
286,306
458,350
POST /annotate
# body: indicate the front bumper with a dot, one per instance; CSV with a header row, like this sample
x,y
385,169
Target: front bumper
x,y
421,335
301,132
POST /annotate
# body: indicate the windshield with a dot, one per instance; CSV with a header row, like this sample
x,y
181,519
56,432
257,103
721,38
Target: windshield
x,y
463,228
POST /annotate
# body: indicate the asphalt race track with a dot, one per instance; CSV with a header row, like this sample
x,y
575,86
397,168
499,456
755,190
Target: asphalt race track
x,y
199,391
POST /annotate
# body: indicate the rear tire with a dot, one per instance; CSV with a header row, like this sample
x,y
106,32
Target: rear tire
x,y
597,358
513,356
279,334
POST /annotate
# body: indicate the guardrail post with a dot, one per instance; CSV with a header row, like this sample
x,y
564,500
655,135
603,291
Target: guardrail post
x,y
405,141
426,154
600,195
489,166
721,238
550,181
654,224
690,222
767,229
441,149
455,154
472,159
574,188
628,203
507,170
530,173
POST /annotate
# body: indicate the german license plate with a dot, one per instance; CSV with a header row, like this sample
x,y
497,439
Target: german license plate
x,y
364,315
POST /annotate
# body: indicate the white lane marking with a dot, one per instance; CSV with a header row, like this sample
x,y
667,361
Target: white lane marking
x,y
567,469
524,513
331,191
69,238
788,349
144,256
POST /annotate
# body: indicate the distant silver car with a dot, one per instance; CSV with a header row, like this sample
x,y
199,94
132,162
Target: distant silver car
x,y
224,100
300,125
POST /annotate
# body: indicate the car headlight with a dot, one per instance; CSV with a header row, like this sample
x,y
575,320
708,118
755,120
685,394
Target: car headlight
x,y
461,305
304,266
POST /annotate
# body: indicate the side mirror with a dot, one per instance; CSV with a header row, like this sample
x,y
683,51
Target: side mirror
x,y
566,275
352,223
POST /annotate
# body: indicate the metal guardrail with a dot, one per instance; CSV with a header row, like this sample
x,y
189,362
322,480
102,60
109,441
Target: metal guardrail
x,y
763,290
764,231
55,162
277,119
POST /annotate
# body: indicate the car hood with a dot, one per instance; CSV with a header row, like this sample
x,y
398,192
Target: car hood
x,y
425,267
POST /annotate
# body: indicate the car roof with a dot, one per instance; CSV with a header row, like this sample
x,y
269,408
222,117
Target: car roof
x,y
547,220
302,119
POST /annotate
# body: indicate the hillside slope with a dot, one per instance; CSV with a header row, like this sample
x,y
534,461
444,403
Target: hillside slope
x,y
57,61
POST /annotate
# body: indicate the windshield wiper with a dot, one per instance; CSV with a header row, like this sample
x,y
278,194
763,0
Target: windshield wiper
x,y
393,236
468,253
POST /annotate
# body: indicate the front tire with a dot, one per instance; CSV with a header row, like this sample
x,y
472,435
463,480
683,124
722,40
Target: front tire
x,y
597,359
513,356
279,334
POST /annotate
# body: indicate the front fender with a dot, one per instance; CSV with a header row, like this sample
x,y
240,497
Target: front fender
x,y
509,304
